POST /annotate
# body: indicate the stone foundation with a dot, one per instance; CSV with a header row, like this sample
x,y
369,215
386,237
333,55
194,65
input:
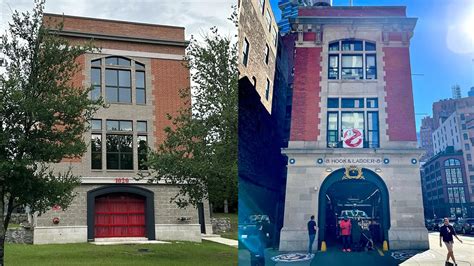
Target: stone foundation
x,y
19,235
221,225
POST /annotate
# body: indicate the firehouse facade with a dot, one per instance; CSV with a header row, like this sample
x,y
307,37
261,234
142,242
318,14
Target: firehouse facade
x,y
138,72
352,149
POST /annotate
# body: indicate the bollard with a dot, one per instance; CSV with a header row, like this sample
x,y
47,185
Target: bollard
x,y
385,245
323,246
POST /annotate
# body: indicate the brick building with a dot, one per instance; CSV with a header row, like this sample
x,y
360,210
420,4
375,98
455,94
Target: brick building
x,y
138,72
353,146
445,186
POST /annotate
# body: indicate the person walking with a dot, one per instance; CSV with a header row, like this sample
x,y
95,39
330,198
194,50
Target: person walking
x,y
312,233
345,225
446,233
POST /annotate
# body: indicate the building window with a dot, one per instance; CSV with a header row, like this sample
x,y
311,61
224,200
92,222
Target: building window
x,y
142,152
466,146
463,117
366,120
119,152
96,124
140,87
267,90
267,53
333,129
465,137
469,157
118,80
333,67
452,162
372,103
142,126
245,50
268,17
262,5
333,102
96,82
96,151
352,65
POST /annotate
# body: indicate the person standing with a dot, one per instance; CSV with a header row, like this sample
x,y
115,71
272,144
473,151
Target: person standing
x,y
312,233
446,233
345,225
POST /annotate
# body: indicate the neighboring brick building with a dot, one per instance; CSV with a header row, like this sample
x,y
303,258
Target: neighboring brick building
x,y
426,129
445,186
353,146
139,72
258,40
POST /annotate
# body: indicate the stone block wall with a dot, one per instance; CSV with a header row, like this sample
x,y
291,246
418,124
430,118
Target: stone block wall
x,y
19,235
221,225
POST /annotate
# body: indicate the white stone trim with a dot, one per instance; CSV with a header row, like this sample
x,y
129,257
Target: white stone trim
x,y
112,180
141,54
60,234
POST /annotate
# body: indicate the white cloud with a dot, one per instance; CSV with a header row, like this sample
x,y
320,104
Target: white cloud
x,y
196,16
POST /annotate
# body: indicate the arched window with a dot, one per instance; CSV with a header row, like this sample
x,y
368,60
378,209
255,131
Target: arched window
x,y
117,82
452,162
352,59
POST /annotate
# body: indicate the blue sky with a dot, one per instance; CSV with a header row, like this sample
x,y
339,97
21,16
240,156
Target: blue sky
x,y
442,48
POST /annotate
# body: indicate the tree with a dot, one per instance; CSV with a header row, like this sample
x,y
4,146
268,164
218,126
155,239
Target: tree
x,y
43,116
199,153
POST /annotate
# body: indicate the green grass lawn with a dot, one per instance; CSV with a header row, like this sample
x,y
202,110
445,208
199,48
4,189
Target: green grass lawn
x,y
179,253
233,233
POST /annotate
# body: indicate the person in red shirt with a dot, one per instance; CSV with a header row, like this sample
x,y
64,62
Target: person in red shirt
x,y
345,225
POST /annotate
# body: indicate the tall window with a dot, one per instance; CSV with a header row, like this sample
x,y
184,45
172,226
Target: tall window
x,y
142,144
262,5
348,113
96,144
119,145
267,90
357,60
267,53
245,49
453,171
268,17
117,73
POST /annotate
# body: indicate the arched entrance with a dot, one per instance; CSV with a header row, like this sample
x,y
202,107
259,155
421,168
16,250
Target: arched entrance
x,y
365,198
120,211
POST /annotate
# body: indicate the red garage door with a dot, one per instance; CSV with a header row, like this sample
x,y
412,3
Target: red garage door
x,y
120,215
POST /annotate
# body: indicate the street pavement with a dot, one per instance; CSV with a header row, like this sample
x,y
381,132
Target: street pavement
x,y
436,255
221,240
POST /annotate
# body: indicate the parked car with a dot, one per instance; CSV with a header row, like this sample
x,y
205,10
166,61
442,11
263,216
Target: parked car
x,y
429,224
255,231
464,226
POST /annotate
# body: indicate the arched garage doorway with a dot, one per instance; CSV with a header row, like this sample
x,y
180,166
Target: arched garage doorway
x,y
120,211
365,198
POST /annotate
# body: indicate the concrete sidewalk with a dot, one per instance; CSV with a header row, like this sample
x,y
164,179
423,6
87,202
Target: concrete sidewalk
x,y
221,240
436,255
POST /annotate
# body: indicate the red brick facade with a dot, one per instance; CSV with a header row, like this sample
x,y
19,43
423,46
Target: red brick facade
x,y
400,105
306,95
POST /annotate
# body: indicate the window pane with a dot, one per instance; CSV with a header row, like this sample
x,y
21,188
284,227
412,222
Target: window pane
x,y
352,120
113,125
141,98
95,62
334,46
111,61
351,61
96,124
111,94
123,62
372,103
352,45
126,143
126,161
333,67
96,160
141,126
126,126
373,121
112,144
371,67
112,161
139,66
140,79
332,121
95,76
124,78
125,95
96,143
95,93
111,77
369,46
352,103
333,102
